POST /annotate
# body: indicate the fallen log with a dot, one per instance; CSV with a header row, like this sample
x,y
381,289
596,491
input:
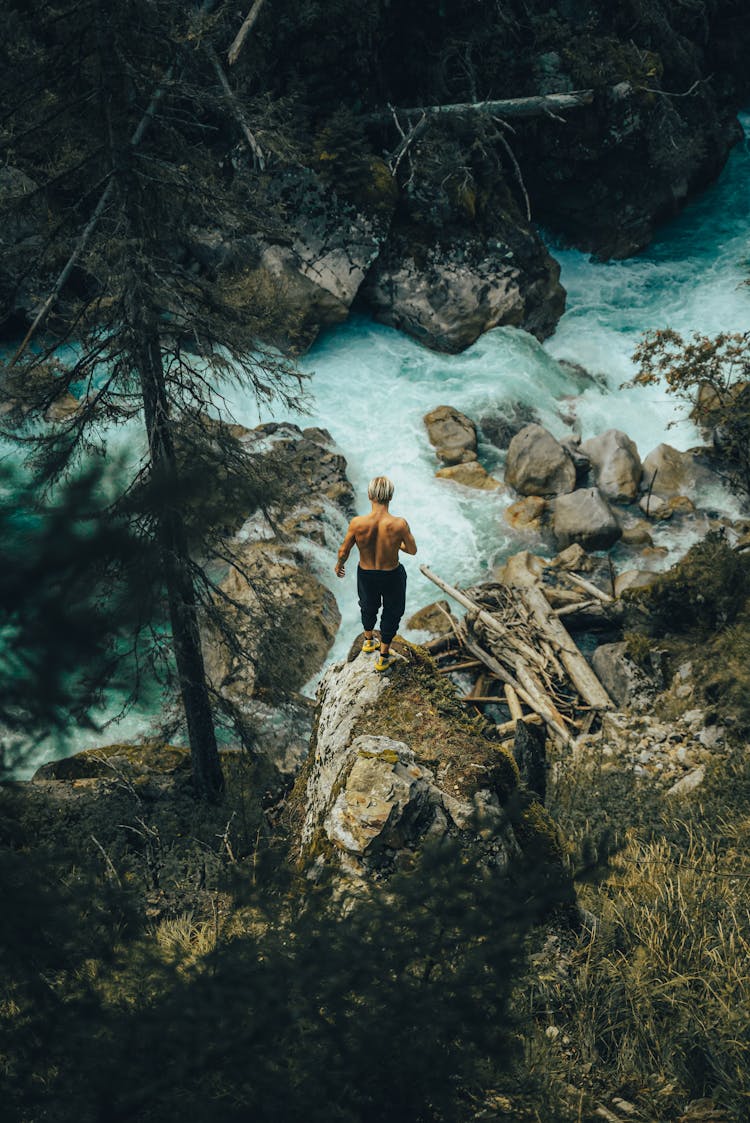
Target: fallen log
x,y
581,674
541,105
588,586
516,713
540,705
510,726
571,609
468,665
485,618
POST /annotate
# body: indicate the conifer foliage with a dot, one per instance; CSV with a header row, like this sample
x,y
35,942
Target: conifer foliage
x,y
117,130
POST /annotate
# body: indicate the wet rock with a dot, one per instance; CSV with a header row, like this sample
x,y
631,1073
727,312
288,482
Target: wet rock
x,y
431,618
319,267
448,294
470,474
655,507
634,579
681,505
574,559
521,569
537,464
452,434
500,428
288,625
636,533
312,470
668,472
585,517
527,515
616,464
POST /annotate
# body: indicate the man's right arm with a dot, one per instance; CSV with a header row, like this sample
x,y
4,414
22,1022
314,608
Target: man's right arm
x,y
408,545
345,549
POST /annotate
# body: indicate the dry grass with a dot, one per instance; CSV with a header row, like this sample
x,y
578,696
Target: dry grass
x,y
655,1002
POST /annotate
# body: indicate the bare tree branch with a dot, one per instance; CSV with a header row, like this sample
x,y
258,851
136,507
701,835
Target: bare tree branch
x,y
244,31
509,107
236,109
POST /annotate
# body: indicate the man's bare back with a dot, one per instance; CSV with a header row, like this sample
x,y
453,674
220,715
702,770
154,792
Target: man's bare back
x,y
381,579
378,536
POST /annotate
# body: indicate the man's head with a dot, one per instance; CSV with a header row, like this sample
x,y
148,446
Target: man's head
x,y
380,490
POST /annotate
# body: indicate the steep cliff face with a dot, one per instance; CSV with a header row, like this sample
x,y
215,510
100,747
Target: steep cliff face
x,y
394,761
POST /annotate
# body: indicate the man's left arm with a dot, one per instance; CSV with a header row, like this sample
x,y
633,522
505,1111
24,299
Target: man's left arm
x,y
408,545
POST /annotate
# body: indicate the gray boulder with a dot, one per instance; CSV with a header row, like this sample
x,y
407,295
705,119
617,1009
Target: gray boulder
x,y
537,464
585,517
623,680
454,293
616,464
453,435
668,472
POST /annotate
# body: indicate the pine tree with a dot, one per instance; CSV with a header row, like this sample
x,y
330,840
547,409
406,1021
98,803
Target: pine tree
x,y
116,116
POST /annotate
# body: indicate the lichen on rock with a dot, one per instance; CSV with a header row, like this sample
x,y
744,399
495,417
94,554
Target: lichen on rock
x,y
396,760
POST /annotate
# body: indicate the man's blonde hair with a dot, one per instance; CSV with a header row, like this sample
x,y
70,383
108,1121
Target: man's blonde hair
x,y
380,490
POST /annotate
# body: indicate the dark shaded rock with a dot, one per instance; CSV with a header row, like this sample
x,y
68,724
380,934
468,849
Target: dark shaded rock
x,y
500,428
530,756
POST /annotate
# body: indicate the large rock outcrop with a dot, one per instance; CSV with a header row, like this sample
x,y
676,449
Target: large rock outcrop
x,y
284,619
395,759
667,472
447,295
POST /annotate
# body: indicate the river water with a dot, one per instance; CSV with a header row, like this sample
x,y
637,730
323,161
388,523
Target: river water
x,y
371,387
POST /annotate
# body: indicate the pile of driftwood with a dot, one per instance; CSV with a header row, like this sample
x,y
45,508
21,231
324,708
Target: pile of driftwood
x,y
523,656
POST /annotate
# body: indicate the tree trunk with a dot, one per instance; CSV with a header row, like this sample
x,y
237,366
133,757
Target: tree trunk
x,y
207,774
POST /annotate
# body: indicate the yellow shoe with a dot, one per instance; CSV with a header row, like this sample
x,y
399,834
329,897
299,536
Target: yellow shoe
x,y
370,645
384,662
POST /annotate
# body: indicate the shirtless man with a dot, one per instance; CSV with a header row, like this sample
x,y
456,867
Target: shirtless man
x,y
380,577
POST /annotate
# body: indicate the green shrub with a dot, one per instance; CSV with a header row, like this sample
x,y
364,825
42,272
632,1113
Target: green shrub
x,y
704,591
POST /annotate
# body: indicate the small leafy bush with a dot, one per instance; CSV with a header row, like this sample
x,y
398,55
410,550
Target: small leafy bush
x,y
705,591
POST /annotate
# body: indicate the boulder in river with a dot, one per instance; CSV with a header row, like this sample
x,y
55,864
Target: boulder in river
x,y
585,517
432,618
527,514
470,474
537,464
447,294
453,435
616,464
668,472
